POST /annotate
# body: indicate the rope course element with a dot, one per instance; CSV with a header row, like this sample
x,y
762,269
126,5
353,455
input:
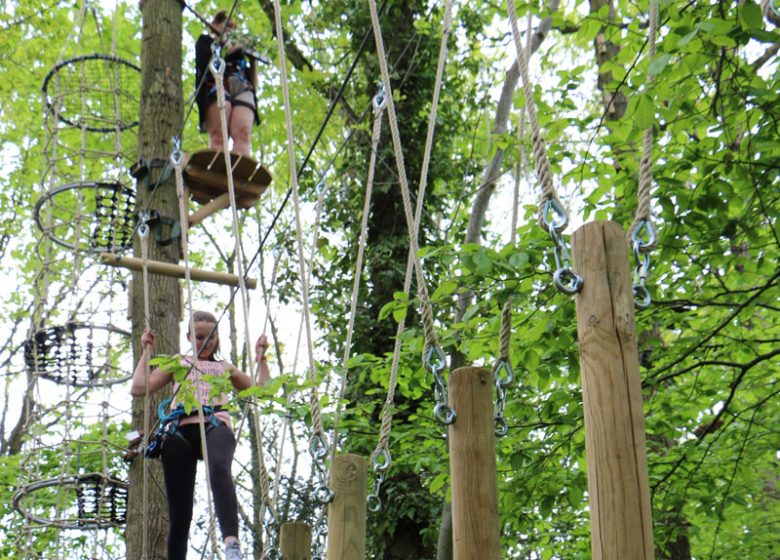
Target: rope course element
x,y
381,457
503,373
318,444
552,214
97,502
109,84
270,544
88,216
76,354
642,236
433,356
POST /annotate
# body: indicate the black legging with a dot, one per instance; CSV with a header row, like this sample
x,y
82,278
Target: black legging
x,y
180,458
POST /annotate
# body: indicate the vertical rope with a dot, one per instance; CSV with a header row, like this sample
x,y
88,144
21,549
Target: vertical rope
x,y
143,232
376,132
317,427
541,160
183,220
644,193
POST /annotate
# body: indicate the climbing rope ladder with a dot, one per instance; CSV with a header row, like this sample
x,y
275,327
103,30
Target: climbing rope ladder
x,y
71,468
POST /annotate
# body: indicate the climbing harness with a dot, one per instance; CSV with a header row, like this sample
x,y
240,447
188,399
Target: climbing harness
x,y
169,425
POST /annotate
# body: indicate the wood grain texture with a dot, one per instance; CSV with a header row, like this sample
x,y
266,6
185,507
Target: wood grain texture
x,y
295,541
475,525
347,512
621,527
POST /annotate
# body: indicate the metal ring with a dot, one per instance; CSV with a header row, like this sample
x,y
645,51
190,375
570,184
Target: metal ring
x,y
510,374
217,65
572,283
643,245
317,447
323,494
384,464
143,231
435,352
501,428
642,298
554,214
374,503
444,414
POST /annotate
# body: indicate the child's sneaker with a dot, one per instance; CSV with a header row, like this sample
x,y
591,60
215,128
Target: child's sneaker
x,y
233,551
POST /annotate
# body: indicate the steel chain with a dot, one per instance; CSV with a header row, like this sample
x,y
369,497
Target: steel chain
x,y
319,538
272,535
641,248
566,280
381,464
504,376
318,450
435,362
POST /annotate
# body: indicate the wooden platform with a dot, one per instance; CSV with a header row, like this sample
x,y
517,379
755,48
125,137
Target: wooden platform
x,y
206,177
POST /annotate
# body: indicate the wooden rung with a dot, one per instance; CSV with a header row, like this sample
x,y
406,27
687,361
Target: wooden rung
x,y
217,204
175,270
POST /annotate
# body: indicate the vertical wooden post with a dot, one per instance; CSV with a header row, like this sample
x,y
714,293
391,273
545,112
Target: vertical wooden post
x,y
621,527
295,541
475,525
347,512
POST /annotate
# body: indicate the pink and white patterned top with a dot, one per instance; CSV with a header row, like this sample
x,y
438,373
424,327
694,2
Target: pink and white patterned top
x,y
202,388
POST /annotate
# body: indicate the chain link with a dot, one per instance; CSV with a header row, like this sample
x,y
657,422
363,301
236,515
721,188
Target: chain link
x,y
556,218
641,247
319,450
435,362
504,375
381,461
319,538
271,525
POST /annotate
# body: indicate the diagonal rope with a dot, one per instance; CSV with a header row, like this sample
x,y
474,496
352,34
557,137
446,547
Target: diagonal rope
x,y
381,457
143,233
426,311
541,160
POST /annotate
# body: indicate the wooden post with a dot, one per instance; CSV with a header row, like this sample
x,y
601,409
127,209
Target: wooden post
x,y
475,525
347,512
621,527
175,270
295,541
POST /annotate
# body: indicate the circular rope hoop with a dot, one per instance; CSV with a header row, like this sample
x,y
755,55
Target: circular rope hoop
x,y
96,502
90,216
96,92
77,354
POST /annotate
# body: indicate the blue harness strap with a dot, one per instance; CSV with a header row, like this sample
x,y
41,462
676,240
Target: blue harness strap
x,y
169,424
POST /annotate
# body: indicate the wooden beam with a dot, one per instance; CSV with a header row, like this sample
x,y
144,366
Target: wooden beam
x,y
347,511
175,270
618,488
475,525
295,541
217,204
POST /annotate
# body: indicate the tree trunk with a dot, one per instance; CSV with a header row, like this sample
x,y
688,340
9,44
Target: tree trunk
x,y
160,120
615,102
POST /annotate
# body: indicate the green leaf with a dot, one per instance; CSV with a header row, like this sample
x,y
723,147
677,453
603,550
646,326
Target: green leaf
x,y
659,63
750,16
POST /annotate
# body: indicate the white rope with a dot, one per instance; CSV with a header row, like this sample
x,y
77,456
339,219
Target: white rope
x,y
375,134
539,148
317,428
426,312
183,220
645,191
144,235
383,444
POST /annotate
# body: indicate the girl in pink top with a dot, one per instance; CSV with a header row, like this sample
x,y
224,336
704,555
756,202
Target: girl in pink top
x,y
182,448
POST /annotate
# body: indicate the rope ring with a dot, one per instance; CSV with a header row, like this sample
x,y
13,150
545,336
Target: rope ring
x,y
110,227
69,105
